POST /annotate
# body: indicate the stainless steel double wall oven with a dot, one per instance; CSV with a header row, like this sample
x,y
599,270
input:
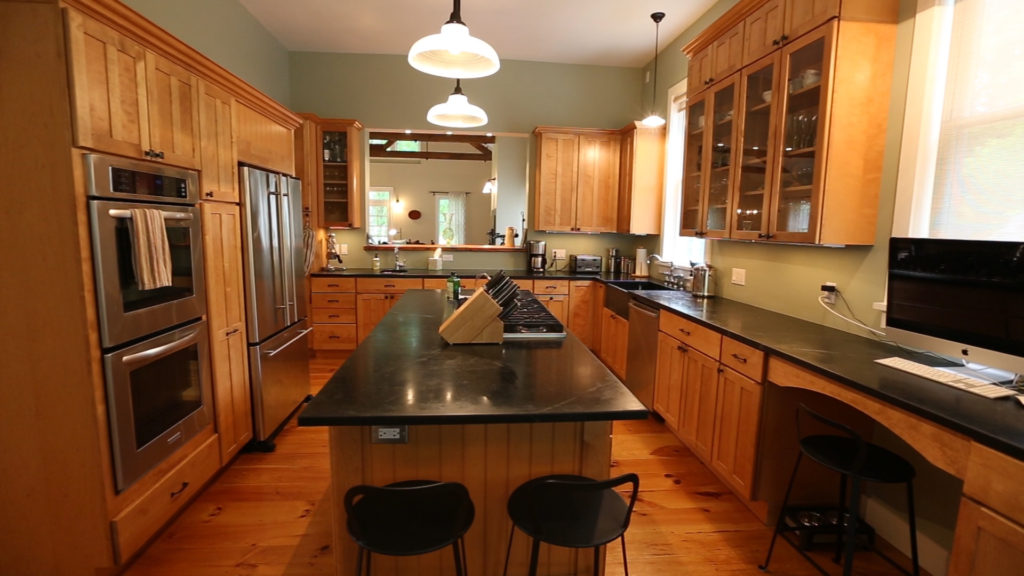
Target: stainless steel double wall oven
x,y
155,346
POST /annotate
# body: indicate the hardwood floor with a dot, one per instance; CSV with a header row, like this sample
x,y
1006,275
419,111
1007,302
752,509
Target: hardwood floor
x,y
270,514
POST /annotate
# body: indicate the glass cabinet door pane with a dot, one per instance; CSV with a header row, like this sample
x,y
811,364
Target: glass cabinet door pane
x,y
693,168
719,176
799,158
754,182
335,178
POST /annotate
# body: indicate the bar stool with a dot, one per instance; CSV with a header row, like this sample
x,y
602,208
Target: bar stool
x,y
571,511
409,518
860,461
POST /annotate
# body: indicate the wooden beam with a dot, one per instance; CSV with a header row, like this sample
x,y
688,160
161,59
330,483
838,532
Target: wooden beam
x,y
378,151
432,137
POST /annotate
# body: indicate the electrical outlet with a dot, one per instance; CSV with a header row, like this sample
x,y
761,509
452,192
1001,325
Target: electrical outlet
x,y
447,257
739,276
344,249
828,292
558,253
389,434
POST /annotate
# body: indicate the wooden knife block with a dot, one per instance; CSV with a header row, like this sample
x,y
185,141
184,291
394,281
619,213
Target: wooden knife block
x,y
475,322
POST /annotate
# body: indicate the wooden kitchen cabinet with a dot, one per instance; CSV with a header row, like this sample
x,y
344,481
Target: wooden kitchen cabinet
x,y
614,342
699,397
334,313
581,310
717,61
812,102
333,174
127,100
225,311
218,178
985,543
737,430
698,71
709,158
641,176
599,290
262,141
375,297
668,380
577,179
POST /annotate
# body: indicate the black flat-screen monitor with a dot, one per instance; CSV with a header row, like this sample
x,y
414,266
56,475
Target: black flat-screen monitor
x,y
959,298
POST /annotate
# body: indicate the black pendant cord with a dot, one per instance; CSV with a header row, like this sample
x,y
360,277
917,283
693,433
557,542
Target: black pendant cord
x,y
456,15
657,17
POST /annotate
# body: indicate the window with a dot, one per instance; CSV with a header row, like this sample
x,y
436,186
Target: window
x,y
451,217
680,250
378,214
963,136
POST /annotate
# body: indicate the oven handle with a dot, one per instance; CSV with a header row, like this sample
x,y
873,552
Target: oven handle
x,y
289,343
170,347
167,215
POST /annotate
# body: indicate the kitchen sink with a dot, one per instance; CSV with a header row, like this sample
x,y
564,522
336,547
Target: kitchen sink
x,y
394,271
637,285
617,297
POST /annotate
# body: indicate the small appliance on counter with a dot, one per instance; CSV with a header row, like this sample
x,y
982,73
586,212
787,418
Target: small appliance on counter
x,y
613,261
703,283
537,254
582,263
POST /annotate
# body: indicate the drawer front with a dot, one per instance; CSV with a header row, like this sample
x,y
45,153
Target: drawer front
x,y
137,523
744,359
341,300
387,285
334,315
524,284
692,334
335,337
550,286
332,284
435,283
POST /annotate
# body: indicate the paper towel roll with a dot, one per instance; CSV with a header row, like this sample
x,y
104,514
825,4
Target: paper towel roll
x,y
641,262
433,263
510,236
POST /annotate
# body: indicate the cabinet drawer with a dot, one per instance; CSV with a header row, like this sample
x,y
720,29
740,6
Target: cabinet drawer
x,y
744,359
335,315
334,337
332,284
550,286
692,334
387,285
524,284
345,300
435,283
137,523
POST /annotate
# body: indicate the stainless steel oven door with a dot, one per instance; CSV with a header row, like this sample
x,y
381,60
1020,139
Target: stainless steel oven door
x,y
158,397
125,311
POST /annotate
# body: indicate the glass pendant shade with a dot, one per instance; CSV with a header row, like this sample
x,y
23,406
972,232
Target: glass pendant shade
x,y
454,53
457,112
653,121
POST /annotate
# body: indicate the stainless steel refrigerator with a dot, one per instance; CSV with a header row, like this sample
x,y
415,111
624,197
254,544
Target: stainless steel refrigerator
x,y
275,303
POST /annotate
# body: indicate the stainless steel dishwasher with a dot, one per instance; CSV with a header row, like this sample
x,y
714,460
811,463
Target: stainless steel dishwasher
x,y
642,353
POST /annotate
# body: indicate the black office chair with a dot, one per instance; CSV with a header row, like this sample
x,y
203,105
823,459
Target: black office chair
x,y
856,460
409,518
571,511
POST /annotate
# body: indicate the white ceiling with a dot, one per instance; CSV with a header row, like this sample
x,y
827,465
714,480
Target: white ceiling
x,y
597,32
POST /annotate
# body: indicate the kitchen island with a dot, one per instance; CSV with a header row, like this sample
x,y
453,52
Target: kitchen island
x,y
488,415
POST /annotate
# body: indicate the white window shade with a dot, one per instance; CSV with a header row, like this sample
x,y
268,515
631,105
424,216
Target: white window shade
x,y
979,160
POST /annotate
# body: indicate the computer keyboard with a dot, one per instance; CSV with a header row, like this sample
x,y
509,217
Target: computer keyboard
x,y
973,385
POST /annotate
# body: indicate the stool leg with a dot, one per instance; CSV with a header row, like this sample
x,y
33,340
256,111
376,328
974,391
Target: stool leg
x,y
913,527
597,561
842,510
851,527
508,551
458,558
534,553
359,561
625,566
782,513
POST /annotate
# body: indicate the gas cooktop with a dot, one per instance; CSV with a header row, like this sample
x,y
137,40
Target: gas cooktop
x,y
526,318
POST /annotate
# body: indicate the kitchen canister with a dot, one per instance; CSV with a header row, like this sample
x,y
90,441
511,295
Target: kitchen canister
x,y
641,263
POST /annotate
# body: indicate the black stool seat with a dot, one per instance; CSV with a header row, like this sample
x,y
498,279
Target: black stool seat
x,y
571,511
856,461
409,518
840,453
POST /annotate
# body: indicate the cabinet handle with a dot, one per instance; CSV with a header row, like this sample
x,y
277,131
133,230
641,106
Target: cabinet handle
x,y
333,337
682,349
184,485
776,42
231,332
148,152
332,301
209,193
389,285
685,331
334,316
719,370
332,285
784,37
742,359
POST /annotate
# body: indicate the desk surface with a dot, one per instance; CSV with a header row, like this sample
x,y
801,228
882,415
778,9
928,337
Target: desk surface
x,y
849,360
405,373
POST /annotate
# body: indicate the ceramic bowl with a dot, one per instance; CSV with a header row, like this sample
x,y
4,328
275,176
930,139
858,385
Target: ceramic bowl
x,y
810,77
766,96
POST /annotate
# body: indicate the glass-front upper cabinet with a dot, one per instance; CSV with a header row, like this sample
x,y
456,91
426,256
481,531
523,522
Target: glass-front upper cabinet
x,y
796,207
710,161
336,207
754,182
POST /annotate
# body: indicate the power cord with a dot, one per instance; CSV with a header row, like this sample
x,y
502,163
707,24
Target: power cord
x,y
854,321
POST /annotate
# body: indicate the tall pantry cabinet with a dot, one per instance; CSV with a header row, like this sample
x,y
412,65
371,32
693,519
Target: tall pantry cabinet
x,y
94,76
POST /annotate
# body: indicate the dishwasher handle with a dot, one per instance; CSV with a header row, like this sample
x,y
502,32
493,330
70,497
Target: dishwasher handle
x,y
639,308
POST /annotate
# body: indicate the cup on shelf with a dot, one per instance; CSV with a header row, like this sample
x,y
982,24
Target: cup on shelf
x,y
810,77
766,96
795,84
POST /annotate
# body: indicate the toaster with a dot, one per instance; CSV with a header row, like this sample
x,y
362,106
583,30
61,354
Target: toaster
x,y
584,263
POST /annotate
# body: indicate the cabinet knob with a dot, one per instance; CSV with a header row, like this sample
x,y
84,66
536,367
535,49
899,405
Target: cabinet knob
x,y
209,193
682,349
776,42
148,153
160,155
784,37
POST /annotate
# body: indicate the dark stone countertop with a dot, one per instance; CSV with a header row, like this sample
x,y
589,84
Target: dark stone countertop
x,y
405,373
849,359
462,273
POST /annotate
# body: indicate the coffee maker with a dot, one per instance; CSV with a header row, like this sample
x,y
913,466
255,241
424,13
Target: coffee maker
x,y
537,254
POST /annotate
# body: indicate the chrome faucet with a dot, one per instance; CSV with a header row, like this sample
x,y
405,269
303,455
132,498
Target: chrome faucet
x,y
399,263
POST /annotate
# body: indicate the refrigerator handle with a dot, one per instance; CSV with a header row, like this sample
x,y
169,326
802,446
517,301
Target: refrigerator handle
x,y
277,248
287,266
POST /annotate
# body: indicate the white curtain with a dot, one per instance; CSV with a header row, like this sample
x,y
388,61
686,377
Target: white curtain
x,y
457,216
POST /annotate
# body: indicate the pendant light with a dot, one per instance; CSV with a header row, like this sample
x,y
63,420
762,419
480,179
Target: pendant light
x,y
454,53
457,112
655,120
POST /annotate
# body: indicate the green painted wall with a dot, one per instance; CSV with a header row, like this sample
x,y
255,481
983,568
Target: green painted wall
x,y
226,33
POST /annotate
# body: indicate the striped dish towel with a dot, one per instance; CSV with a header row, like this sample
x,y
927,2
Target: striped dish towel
x,y
309,242
151,254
